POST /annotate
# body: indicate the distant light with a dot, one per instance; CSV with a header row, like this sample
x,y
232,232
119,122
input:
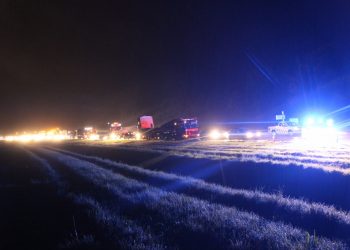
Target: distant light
x,y
214,134
138,136
113,136
320,135
10,138
226,135
330,123
310,121
94,137
49,135
249,134
320,120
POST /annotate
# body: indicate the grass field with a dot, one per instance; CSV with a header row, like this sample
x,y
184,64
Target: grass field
x,y
161,195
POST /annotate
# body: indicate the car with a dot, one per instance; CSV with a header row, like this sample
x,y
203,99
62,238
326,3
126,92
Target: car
x,y
284,128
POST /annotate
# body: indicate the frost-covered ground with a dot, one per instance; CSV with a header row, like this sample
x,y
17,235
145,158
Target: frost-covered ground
x,y
203,194
183,212
328,157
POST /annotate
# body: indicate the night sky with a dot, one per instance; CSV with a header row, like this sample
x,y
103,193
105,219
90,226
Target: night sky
x,y
72,63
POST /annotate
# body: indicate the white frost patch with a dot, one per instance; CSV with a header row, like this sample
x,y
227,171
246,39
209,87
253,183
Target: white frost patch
x,y
173,180
226,224
51,172
330,159
126,232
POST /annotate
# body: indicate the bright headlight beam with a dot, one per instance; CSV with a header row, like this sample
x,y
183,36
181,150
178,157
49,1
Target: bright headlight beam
x,y
138,136
214,134
330,123
94,137
310,121
249,134
320,120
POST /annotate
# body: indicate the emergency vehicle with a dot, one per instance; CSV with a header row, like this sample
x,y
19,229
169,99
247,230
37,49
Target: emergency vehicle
x,y
284,127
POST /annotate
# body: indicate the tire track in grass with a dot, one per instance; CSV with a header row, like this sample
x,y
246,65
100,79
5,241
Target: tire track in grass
x,y
311,184
332,160
27,210
126,232
324,220
262,154
258,157
53,175
123,233
186,218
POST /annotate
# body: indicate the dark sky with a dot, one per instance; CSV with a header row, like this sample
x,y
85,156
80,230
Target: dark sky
x,y
70,63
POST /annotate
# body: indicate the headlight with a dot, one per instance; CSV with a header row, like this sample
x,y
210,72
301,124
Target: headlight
x,y
330,123
226,135
258,134
113,136
320,135
94,137
310,121
214,134
249,134
138,136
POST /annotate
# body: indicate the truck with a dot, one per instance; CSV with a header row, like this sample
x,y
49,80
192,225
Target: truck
x,y
115,126
176,129
115,130
118,132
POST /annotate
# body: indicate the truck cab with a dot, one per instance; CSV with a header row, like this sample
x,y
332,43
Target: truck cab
x,y
145,123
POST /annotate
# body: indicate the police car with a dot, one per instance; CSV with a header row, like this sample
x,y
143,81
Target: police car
x,y
284,128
